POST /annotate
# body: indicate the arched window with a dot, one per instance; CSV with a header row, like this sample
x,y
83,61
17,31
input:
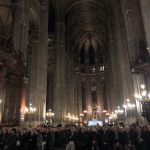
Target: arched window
x,y
91,55
51,20
82,55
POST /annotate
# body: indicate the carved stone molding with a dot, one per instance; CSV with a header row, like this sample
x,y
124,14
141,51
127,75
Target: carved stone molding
x,y
35,34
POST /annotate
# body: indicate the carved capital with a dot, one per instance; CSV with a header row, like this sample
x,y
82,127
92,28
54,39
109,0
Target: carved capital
x,y
35,35
15,82
16,6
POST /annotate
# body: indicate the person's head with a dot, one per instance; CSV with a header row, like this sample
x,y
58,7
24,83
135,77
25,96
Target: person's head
x,y
72,129
127,129
93,129
28,130
13,131
82,130
148,128
132,127
138,128
145,128
43,130
88,129
37,132
51,130
47,130
112,128
78,128
9,130
32,132
104,128
121,129
5,131
115,128
22,132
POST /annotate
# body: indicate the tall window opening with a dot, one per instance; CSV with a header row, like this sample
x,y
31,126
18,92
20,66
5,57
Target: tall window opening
x,y
91,55
51,20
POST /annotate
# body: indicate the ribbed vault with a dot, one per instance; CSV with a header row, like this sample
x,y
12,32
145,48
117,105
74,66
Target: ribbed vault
x,y
86,21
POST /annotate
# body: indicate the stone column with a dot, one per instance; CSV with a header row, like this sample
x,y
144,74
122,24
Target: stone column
x,y
131,32
122,56
17,12
23,101
68,75
57,88
113,65
13,101
87,81
2,94
33,73
59,91
145,8
79,92
63,59
26,29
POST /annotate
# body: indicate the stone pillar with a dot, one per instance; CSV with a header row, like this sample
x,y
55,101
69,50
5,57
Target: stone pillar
x,y
113,65
23,101
145,8
122,54
59,90
17,12
33,74
68,75
13,101
2,95
63,59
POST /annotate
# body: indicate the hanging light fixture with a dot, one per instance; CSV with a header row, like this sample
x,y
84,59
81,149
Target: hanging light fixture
x,y
104,111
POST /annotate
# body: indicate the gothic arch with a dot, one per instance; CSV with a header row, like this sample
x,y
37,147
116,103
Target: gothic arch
x,y
34,18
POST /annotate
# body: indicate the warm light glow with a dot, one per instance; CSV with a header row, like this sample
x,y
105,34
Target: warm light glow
x,y
104,111
118,107
136,96
111,117
140,97
85,111
128,100
107,114
30,104
116,111
143,86
125,106
144,93
81,115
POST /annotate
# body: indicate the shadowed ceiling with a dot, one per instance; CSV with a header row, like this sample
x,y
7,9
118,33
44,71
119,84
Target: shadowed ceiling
x,y
86,21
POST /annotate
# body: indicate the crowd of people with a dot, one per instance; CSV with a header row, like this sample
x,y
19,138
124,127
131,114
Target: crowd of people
x,y
47,137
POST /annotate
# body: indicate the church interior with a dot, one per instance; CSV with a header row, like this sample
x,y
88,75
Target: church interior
x,y
74,61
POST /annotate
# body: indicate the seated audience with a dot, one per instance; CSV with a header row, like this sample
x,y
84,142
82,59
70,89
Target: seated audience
x,y
104,139
129,139
31,143
140,138
11,140
72,139
94,139
39,140
21,140
117,139
83,140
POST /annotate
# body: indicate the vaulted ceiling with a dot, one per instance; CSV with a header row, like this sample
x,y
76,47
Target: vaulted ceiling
x,y
86,21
